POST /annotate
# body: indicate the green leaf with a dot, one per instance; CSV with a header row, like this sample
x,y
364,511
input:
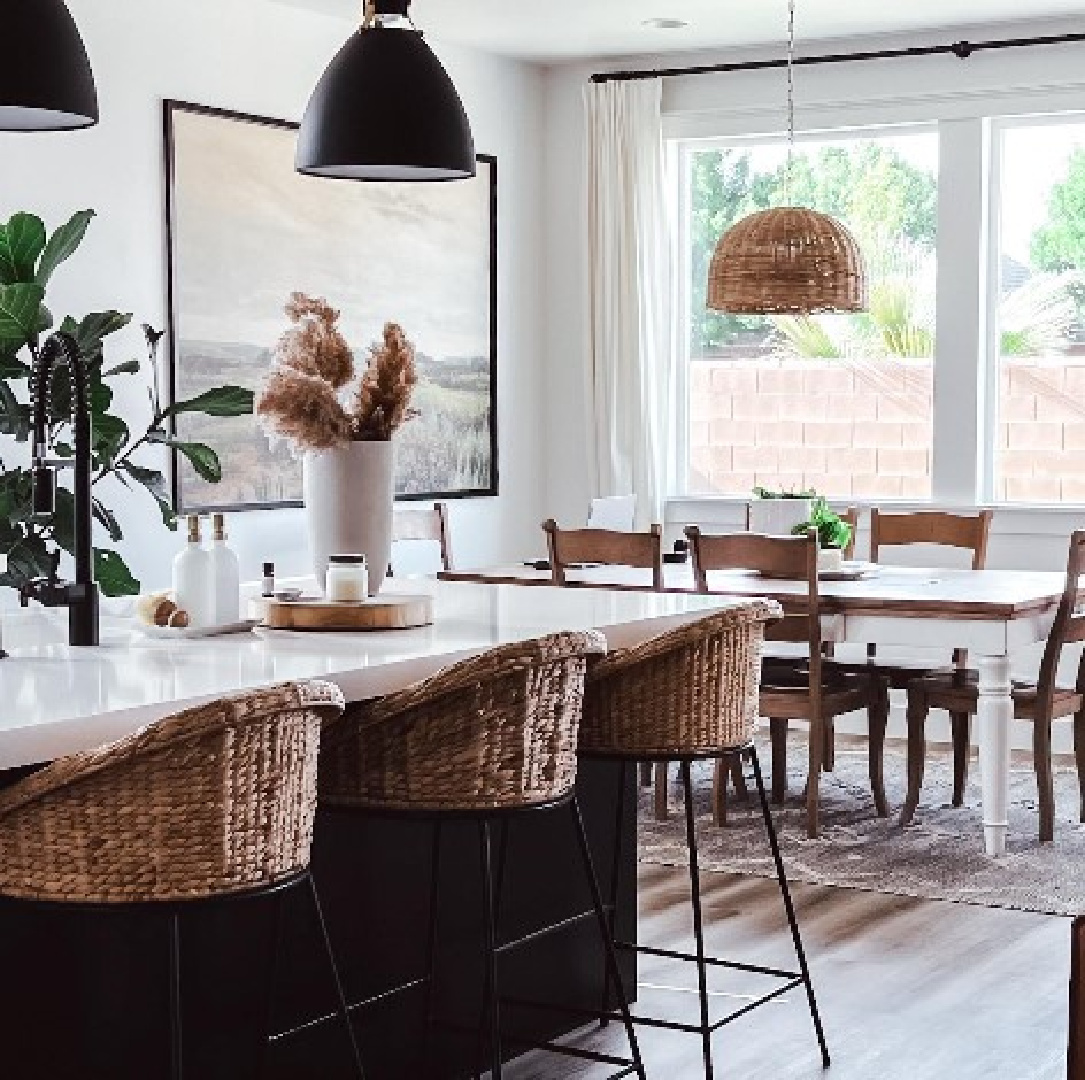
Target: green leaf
x,y
107,519
202,458
90,331
14,418
11,367
129,367
63,520
19,311
62,245
112,574
110,433
15,497
221,401
21,242
28,557
155,483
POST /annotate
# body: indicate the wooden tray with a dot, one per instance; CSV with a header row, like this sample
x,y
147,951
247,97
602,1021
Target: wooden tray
x,y
380,613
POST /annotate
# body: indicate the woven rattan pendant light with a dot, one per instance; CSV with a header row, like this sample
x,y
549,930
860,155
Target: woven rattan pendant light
x,y
788,260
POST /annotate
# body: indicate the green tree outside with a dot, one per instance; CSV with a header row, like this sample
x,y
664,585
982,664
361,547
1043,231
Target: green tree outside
x,y
1059,244
872,188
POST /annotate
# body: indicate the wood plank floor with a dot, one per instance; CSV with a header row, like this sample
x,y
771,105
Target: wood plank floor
x,y
909,989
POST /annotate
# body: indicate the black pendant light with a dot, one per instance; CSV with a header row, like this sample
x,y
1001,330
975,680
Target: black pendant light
x,y
46,83
386,108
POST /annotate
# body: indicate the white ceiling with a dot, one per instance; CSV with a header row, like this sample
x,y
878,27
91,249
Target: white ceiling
x,y
564,29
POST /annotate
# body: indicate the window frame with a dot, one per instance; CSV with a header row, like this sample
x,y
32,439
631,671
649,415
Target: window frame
x,y
999,126
682,149
968,254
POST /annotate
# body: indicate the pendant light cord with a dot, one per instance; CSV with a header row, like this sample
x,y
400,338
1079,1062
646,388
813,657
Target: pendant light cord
x,y
790,100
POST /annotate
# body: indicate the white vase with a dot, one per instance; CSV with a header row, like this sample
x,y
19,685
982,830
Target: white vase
x,y
349,496
777,517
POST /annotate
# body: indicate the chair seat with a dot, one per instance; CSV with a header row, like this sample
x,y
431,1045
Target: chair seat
x,y
786,696
899,673
959,692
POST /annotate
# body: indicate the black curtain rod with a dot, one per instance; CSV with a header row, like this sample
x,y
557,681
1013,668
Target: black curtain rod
x,y
961,49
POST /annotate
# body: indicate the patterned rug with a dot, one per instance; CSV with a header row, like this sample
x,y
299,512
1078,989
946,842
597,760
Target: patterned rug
x,y
939,856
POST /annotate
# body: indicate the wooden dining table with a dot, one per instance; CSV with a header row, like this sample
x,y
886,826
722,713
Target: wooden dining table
x,y
994,614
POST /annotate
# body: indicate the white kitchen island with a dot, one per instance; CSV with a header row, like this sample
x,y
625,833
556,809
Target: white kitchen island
x,y
374,874
57,700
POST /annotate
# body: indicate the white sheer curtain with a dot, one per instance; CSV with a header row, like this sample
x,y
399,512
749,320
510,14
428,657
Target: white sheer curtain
x,y
632,294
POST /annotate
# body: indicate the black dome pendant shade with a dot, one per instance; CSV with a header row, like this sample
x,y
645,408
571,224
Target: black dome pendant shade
x,y
386,109
46,83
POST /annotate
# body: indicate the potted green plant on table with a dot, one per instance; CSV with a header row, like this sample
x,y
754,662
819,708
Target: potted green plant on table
x,y
33,546
834,534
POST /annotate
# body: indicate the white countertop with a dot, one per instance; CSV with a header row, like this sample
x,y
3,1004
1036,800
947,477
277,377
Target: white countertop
x,y
56,700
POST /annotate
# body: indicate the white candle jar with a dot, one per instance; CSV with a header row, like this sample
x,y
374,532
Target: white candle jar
x,y
347,580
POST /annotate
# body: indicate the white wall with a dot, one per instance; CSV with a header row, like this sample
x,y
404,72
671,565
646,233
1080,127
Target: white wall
x,y
261,57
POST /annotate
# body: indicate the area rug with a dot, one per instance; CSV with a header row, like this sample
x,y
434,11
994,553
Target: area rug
x,y
940,856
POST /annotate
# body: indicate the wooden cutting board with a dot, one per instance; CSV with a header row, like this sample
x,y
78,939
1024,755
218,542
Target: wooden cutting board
x,y
379,613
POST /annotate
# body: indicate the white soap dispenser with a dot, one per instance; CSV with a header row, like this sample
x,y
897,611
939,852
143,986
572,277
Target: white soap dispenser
x,y
225,577
192,582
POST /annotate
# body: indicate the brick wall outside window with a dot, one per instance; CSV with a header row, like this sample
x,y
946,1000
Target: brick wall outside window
x,y
863,428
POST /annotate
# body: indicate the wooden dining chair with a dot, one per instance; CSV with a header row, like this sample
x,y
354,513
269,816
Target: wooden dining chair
x,y
965,532
813,693
569,548
418,521
1041,702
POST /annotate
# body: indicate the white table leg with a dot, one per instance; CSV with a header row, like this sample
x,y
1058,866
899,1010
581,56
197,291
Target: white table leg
x,y
995,711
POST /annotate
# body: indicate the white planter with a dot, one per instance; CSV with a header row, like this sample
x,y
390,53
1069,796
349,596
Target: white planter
x,y
777,517
349,496
830,560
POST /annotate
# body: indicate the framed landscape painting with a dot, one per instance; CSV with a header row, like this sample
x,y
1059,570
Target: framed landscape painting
x,y
245,231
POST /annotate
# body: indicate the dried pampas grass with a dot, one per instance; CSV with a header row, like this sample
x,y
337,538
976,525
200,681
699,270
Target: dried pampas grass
x,y
304,409
384,398
313,364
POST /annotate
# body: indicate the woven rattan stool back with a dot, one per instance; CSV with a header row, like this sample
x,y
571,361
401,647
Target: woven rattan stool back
x,y
497,731
214,800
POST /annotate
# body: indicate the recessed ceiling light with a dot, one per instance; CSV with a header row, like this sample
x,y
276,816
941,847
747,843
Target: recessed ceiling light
x,y
665,24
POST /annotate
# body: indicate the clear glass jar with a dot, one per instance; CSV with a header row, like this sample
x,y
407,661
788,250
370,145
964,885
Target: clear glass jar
x,y
346,580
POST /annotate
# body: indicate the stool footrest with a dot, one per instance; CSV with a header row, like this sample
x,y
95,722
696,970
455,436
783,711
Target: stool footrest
x,y
734,965
627,1067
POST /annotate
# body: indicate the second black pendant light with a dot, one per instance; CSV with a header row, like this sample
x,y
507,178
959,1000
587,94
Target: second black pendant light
x,y
386,109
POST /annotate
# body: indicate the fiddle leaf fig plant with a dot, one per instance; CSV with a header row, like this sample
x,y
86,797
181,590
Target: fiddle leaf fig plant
x,y
29,257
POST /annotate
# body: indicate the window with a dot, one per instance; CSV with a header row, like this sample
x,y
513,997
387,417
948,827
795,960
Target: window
x,y
1039,339
840,403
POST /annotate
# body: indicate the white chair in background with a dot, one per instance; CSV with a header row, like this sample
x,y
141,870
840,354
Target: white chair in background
x,y
616,513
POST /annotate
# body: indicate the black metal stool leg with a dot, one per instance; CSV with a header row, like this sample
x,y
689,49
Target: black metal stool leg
x,y
613,971
490,1003
176,1031
615,872
781,876
343,1009
698,923
276,951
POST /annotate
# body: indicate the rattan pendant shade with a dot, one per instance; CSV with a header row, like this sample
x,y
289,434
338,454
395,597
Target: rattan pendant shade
x,y
788,260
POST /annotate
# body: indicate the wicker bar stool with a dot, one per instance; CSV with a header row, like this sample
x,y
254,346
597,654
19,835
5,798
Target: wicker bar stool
x,y
212,806
485,740
691,694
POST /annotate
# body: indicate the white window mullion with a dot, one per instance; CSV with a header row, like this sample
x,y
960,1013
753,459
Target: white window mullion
x,y
961,422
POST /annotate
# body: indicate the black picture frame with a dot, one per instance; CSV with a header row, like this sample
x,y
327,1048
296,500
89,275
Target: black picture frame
x,y
170,108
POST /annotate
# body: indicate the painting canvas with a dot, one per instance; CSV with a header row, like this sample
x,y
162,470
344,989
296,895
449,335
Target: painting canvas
x,y
245,230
